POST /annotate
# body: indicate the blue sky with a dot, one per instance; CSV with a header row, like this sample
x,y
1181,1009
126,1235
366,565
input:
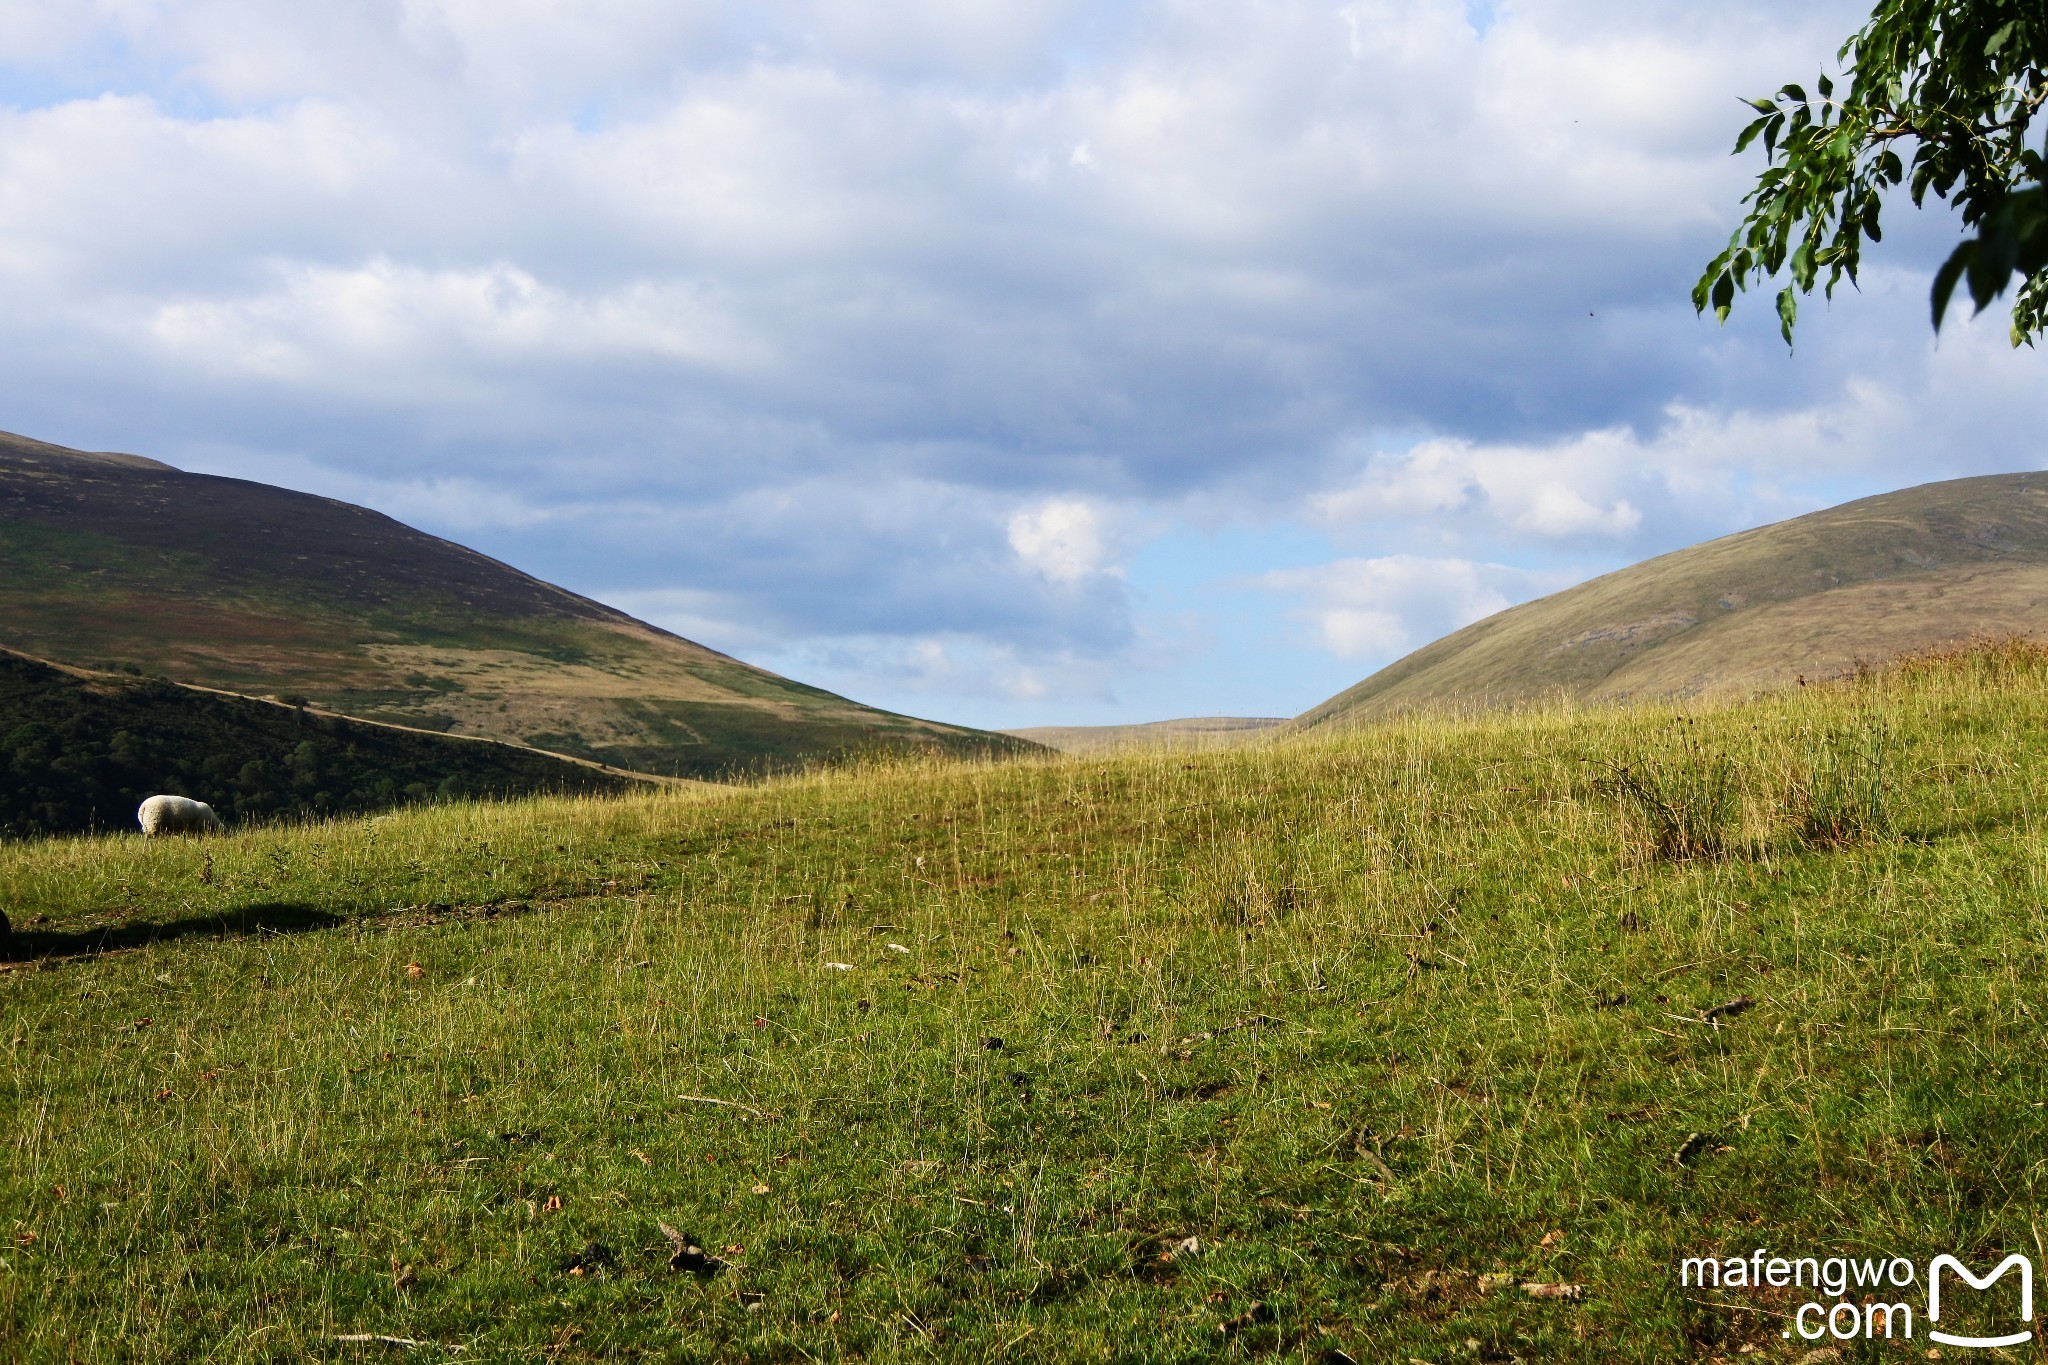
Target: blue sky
x,y
1025,362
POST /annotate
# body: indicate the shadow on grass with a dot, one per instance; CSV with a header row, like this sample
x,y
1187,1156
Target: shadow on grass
x,y
32,945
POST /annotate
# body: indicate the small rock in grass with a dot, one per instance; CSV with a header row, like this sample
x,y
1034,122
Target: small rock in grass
x,y
1257,1313
688,1255
840,966
594,1258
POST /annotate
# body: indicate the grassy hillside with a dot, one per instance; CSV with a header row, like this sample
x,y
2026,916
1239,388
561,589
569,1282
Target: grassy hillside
x,y
1198,732
1317,1050
79,751
110,560
1867,581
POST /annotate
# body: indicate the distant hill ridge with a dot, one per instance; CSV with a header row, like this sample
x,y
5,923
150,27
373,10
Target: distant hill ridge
x,y
79,750
1193,732
108,560
1815,595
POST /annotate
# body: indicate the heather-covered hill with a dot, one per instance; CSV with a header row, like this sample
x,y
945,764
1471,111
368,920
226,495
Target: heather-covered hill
x,y
112,560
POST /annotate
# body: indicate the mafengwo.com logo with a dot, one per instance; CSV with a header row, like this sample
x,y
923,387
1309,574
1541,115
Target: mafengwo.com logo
x,y
1874,1298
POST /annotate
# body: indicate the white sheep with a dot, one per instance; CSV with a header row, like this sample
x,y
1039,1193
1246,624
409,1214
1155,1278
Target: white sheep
x,y
178,815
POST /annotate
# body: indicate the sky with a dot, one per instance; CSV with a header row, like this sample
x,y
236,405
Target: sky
x,y
1016,363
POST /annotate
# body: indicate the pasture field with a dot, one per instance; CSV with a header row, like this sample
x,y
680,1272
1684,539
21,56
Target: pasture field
x,y
1311,1050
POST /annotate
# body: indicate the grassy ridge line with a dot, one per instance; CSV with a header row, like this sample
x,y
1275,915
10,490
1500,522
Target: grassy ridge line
x,y
79,750
1476,1051
1198,732
310,709
1817,595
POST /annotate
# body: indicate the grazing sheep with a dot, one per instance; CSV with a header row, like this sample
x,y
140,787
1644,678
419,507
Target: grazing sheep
x,y
178,815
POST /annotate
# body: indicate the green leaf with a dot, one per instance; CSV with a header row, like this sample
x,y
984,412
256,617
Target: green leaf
x,y
1749,135
1802,265
1998,251
2028,213
1724,296
1946,277
1933,95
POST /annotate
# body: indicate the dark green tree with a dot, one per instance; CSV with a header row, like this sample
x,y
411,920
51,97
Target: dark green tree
x,y
1941,97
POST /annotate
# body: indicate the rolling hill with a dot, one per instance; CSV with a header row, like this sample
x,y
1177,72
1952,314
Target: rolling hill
x,y
1395,1043
1194,732
1814,596
79,750
113,560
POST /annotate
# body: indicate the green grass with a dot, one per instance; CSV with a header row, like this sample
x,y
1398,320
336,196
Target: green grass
x,y
1371,1015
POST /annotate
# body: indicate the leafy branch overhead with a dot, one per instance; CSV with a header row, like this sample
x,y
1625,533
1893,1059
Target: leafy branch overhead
x,y
1941,97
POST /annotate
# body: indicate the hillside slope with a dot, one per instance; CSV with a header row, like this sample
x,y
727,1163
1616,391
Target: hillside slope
x,y
1193,732
79,751
1814,596
1312,1051
112,560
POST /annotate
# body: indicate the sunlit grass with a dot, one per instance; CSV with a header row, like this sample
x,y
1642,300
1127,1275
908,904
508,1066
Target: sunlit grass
x,y
1369,1015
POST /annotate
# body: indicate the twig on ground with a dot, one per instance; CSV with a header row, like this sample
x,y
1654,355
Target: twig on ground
x,y
729,1104
1256,1021
1736,1307
1727,1009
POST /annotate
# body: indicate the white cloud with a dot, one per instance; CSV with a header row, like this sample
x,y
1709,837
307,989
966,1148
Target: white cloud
x,y
836,330
949,665
1064,539
1377,609
1965,407
1561,491
368,329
